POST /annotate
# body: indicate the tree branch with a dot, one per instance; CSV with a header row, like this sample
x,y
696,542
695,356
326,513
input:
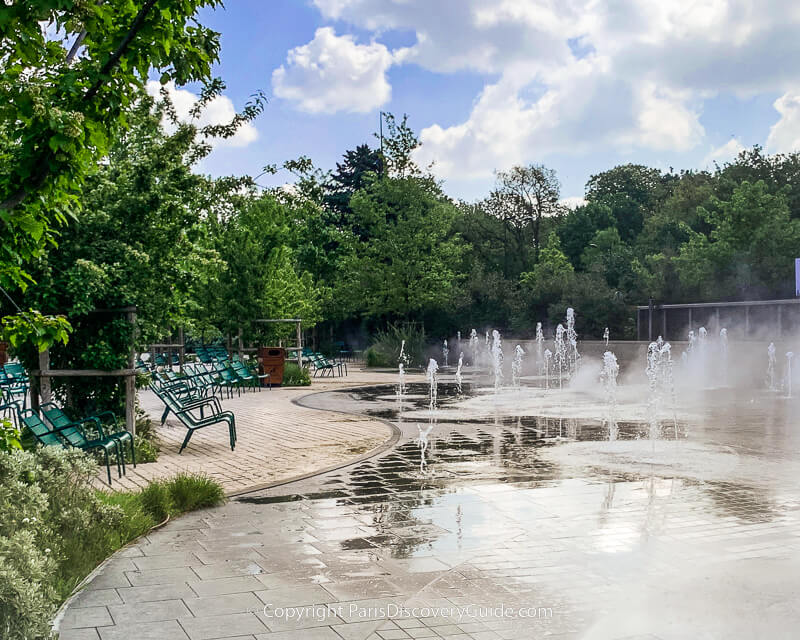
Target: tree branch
x,y
20,194
123,46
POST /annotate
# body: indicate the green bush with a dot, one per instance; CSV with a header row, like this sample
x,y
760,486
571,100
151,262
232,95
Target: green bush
x,y
46,504
189,491
385,349
9,436
55,528
295,376
156,500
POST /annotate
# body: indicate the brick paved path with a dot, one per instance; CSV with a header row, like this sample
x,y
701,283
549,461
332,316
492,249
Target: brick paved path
x,y
277,439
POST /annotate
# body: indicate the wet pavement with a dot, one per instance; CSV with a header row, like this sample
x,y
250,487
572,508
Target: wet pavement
x,y
493,525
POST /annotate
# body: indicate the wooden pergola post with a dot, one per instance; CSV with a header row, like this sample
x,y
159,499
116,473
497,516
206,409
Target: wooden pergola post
x,y
130,379
299,344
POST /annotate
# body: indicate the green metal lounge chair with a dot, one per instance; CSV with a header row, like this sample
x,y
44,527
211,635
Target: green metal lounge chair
x,y
185,413
228,378
73,436
59,420
249,377
14,382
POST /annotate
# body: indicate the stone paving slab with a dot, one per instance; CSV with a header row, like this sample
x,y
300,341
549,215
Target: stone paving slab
x,y
277,439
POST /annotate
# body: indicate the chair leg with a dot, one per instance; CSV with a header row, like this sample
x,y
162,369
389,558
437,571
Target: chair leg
x,y
164,415
108,466
186,440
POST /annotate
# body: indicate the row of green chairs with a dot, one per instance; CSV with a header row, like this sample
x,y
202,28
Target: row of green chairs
x,y
324,366
52,427
211,353
194,412
14,383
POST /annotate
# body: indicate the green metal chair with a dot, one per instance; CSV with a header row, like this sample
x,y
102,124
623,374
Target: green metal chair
x,y
73,436
249,377
185,413
14,381
55,415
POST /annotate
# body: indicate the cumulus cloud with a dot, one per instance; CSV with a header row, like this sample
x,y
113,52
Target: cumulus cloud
x,y
784,136
572,202
334,73
637,80
219,111
724,153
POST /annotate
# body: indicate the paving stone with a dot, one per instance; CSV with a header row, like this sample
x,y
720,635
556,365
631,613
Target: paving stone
x,y
165,561
233,568
95,598
78,634
295,596
318,633
165,630
86,617
223,604
151,593
175,575
238,584
130,614
224,626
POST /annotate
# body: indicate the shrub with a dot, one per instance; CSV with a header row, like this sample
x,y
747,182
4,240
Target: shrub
x,y
385,349
55,528
189,491
46,502
9,436
156,500
295,376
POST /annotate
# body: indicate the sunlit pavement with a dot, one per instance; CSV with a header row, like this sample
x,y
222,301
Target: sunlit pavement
x,y
277,439
495,534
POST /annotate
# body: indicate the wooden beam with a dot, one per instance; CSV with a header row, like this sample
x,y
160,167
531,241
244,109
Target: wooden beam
x,y
84,373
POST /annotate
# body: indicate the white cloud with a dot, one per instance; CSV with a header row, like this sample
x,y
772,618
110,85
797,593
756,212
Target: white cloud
x,y
573,202
637,80
784,136
219,111
724,153
333,73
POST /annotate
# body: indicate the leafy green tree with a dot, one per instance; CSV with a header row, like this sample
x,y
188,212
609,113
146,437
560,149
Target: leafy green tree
x,y
66,89
409,263
141,240
259,278
750,249
350,176
549,280
577,228
632,192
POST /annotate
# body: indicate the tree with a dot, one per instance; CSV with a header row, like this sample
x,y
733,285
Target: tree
x,y
397,146
141,239
579,226
65,92
408,264
550,278
632,191
350,176
260,278
750,249
523,196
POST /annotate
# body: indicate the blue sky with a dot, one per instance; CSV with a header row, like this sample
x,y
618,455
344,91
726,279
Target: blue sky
x,y
576,85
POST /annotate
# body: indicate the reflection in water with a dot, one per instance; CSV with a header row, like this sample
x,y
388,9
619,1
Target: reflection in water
x,y
405,491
